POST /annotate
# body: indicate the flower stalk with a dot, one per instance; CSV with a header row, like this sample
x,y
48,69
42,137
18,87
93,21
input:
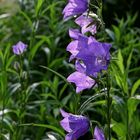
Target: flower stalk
x,y
91,55
109,101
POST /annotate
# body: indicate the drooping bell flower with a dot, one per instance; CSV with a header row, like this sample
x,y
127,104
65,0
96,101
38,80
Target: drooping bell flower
x,y
80,79
98,134
75,125
79,41
75,7
19,48
86,23
95,56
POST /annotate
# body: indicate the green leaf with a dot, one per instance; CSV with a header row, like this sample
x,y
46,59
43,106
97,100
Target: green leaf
x,y
55,84
88,101
62,90
56,63
135,87
27,18
134,69
111,34
119,129
117,74
120,61
34,49
117,33
129,60
45,126
10,60
38,6
59,75
6,52
132,104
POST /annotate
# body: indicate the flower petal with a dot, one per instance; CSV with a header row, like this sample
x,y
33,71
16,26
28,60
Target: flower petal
x,y
65,124
98,134
74,33
63,113
75,7
81,81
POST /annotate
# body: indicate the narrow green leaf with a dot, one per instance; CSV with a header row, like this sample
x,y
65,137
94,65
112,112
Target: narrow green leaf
x,y
35,48
6,52
27,18
134,69
10,60
1,57
56,62
129,60
88,101
111,34
132,104
120,61
61,76
135,87
117,128
46,126
117,33
38,6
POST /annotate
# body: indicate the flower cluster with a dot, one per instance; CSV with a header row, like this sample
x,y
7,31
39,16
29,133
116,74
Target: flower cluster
x,y
91,57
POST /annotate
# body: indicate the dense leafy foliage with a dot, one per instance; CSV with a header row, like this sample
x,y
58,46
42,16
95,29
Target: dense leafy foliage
x,y
33,86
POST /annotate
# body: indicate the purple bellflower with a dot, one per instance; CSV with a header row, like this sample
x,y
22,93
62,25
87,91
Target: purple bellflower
x,y
80,42
74,46
75,7
95,56
76,125
73,49
81,80
86,24
19,48
98,134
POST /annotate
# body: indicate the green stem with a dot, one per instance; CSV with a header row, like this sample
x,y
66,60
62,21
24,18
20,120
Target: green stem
x,y
108,107
2,117
86,103
4,93
22,100
127,121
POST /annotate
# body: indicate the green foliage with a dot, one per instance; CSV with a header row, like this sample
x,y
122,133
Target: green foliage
x,y
33,86
125,83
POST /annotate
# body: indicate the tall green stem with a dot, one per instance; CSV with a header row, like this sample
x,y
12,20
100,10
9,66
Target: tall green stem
x,y
3,85
108,106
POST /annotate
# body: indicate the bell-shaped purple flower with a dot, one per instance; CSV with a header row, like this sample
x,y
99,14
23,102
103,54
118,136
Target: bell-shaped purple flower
x,y
86,23
76,125
95,56
78,42
98,134
19,48
81,80
75,7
